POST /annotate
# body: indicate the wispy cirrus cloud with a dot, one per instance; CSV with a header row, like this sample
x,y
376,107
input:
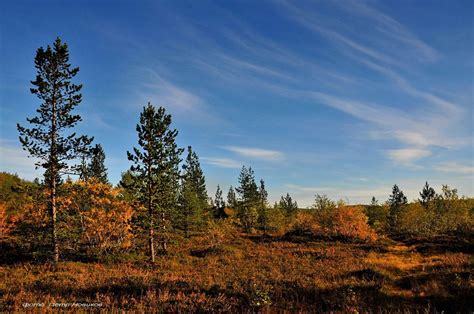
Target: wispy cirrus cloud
x,y
378,41
245,56
155,85
284,72
418,133
410,89
455,167
391,28
407,156
222,162
258,153
417,128
312,21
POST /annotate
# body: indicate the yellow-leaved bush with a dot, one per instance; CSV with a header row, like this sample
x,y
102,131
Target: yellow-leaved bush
x,y
95,216
348,222
5,225
351,222
220,232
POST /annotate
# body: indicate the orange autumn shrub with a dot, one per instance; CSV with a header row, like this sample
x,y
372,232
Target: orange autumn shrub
x,y
351,222
305,223
30,219
95,216
5,226
335,222
220,232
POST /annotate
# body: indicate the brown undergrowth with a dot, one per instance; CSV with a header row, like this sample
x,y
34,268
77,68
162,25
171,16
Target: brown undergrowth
x,y
255,274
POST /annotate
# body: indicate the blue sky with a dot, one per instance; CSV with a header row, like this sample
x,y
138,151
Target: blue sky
x,y
343,98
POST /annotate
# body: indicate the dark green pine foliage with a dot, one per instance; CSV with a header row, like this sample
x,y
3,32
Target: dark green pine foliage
x,y
232,198
83,169
249,199
287,204
96,168
396,202
219,200
427,195
128,183
219,203
374,202
155,171
263,209
193,196
50,138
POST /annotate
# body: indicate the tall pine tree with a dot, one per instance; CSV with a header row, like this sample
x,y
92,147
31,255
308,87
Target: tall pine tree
x,y
249,201
263,210
50,139
219,203
374,202
396,202
155,170
193,196
231,198
288,205
219,200
96,167
427,194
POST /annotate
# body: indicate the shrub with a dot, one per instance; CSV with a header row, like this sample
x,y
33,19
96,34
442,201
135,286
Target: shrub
x,y
456,215
415,219
327,220
440,216
220,232
5,225
377,217
305,223
95,216
351,222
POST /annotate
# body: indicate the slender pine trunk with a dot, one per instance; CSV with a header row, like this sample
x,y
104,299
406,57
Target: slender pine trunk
x,y
53,176
151,234
150,213
152,246
164,240
53,221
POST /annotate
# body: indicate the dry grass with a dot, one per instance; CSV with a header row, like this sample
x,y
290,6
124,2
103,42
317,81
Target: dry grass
x,y
256,273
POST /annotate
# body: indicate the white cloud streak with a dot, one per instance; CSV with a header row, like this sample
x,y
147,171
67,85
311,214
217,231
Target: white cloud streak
x,y
407,155
258,153
392,29
222,162
455,167
170,94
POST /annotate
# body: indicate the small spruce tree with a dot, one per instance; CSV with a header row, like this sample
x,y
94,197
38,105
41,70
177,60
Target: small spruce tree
x,y
249,201
396,202
287,204
427,195
219,202
193,198
155,170
232,198
263,210
96,168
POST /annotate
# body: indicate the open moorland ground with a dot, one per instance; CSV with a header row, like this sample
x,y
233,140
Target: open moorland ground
x,y
258,273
